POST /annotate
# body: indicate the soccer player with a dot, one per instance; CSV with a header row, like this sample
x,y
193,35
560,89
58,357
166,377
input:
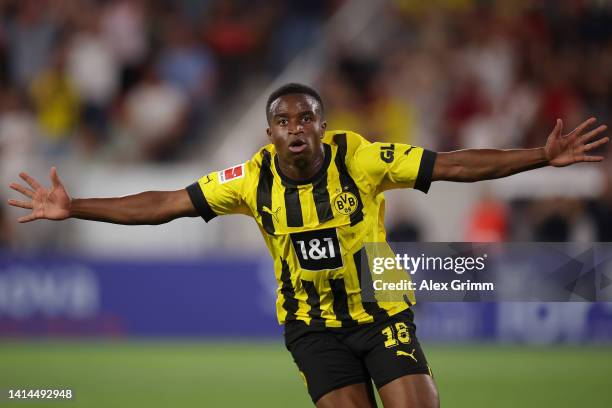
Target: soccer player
x,y
317,197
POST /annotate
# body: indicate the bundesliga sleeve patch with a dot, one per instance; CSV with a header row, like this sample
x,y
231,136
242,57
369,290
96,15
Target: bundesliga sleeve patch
x,y
231,173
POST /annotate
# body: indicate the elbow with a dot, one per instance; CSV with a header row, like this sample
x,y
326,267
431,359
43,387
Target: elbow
x,y
154,218
466,167
159,219
454,172
449,167
462,174
457,172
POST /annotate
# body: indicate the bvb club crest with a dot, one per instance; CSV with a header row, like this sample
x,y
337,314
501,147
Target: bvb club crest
x,y
345,203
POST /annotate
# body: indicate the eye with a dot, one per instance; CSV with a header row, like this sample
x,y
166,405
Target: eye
x,y
307,118
282,122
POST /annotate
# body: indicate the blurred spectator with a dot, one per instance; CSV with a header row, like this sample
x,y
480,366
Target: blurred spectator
x,y
155,114
124,27
184,63
57,104
559,98
30,37
341,102
94,71
189,67
360,99
19,134
19,150
466,102
235,30
299,28
597,85
601,210
488,55
560,220
404,230
488,221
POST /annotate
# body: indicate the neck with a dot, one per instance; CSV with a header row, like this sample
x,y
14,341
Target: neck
x,y
303,168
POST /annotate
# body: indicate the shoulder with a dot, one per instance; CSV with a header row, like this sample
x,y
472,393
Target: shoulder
x,y
239,175
257,160
347,140
262,158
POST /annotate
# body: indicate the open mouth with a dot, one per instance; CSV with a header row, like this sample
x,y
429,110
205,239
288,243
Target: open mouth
x,y
297,146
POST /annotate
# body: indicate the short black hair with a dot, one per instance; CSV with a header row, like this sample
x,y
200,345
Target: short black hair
x,y
292,88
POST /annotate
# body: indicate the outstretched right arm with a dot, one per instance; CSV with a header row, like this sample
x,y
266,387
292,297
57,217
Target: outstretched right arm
x,y
148,208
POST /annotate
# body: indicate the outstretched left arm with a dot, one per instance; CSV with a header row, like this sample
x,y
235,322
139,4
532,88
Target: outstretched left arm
x,y
484,164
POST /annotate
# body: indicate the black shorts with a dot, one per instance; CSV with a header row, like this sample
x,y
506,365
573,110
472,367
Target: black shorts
x,y
329,359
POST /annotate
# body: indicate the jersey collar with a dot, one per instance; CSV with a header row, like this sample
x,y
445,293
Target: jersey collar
x,y
328,153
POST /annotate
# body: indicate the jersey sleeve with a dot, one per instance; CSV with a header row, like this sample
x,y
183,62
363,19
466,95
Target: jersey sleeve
x,y
220,192
396,165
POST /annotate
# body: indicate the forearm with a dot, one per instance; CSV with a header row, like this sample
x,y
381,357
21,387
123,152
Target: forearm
x,y
148,208
485,164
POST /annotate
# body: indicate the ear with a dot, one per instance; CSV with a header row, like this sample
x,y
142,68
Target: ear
x,y
323,128
269,133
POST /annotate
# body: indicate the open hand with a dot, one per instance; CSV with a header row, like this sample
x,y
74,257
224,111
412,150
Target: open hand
x,y
563,150
53,204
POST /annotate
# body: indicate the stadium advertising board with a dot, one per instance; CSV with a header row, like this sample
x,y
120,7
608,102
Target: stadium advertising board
x,y
199,297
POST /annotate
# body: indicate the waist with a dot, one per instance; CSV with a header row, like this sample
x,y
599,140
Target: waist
x,y
298,327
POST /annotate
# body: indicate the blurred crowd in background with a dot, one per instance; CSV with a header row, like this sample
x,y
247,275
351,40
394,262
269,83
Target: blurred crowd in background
x,y
485,74
137,79
149,81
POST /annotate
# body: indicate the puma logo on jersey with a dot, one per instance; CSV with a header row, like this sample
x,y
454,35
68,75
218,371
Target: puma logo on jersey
x,y
407,152
272,213
403,353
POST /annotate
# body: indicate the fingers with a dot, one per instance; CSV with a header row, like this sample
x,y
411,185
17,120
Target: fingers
x,y
558,130
23,190
21,204
596,144
27,218
588,136
592,158
583,126
28,179
55,180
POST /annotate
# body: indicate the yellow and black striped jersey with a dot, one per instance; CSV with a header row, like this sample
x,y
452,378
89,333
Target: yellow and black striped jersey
x,y
316,229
